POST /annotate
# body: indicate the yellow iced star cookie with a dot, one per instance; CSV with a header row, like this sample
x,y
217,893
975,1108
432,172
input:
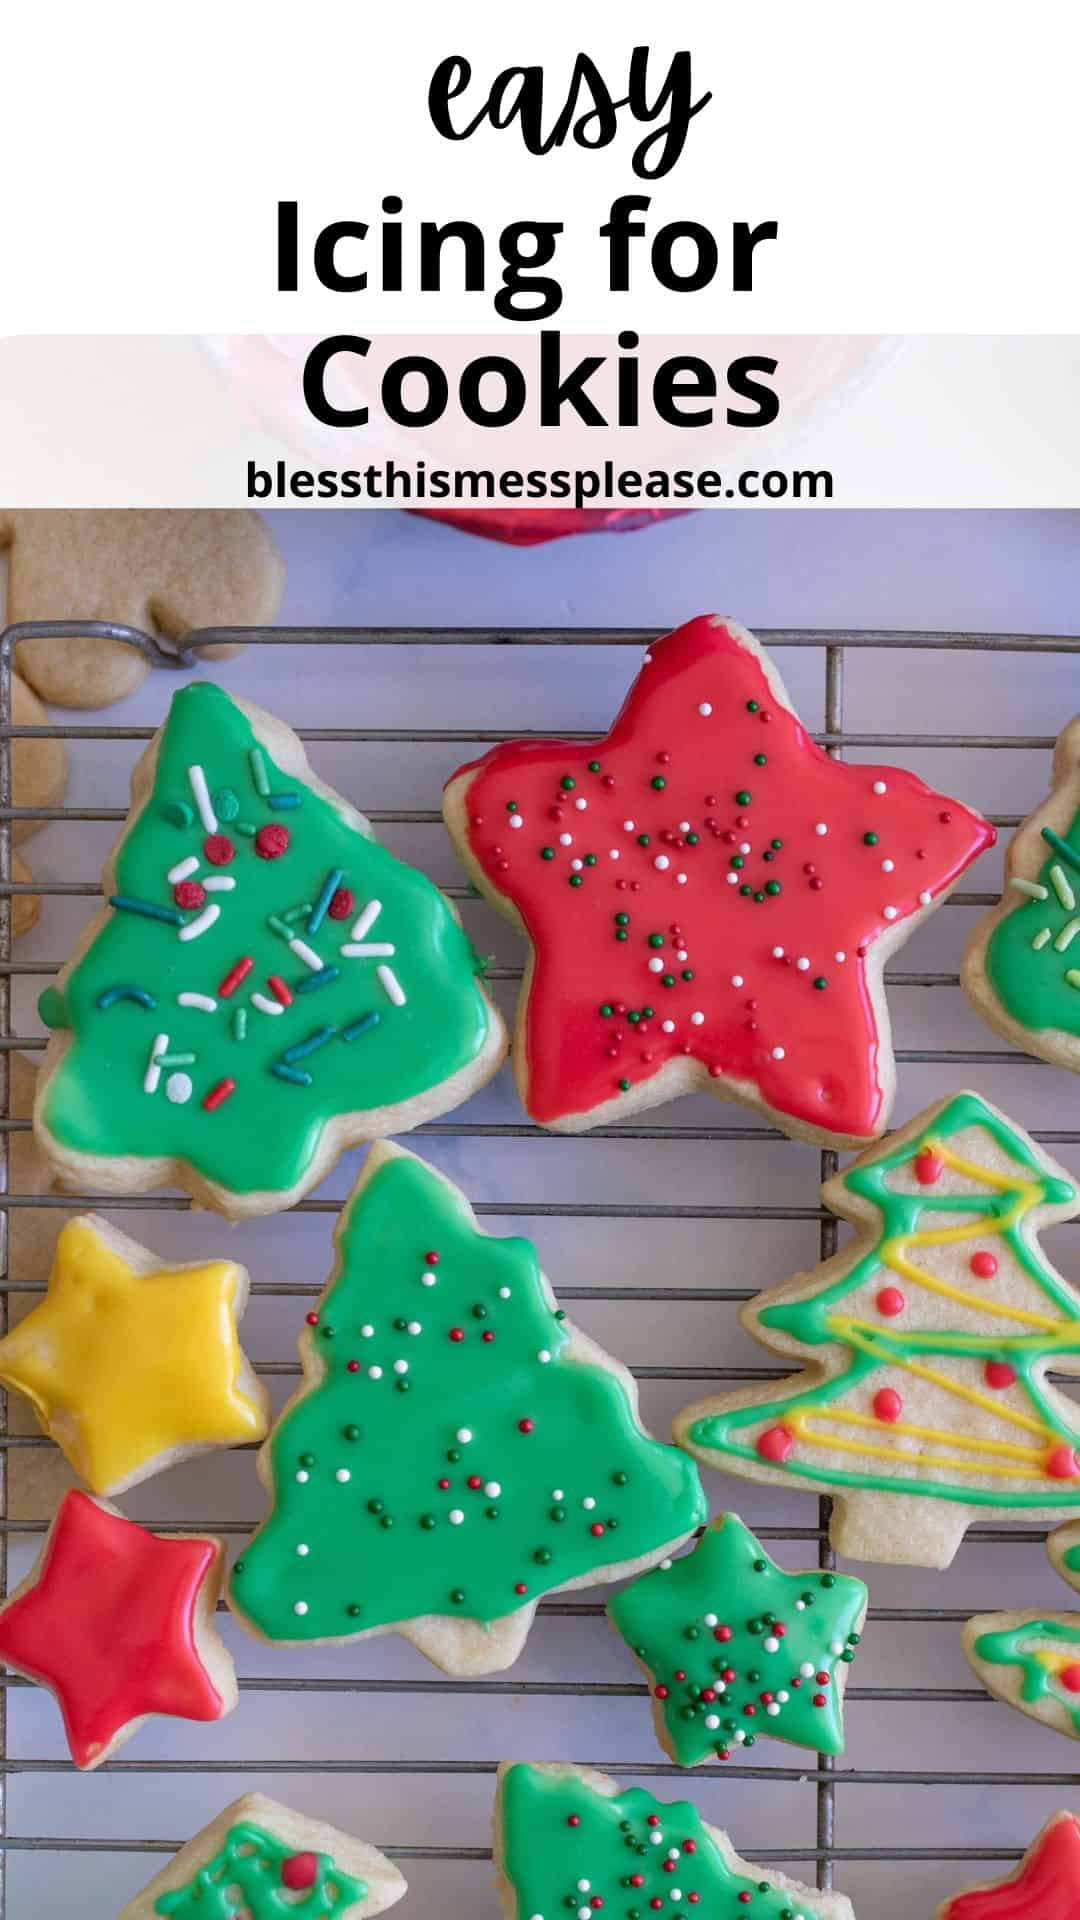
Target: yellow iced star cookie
x,y
131,1364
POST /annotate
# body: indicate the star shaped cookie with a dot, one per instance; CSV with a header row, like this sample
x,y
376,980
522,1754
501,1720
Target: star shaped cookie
x,y
130,1364
735,1646
710,898
118,1623
1045,1886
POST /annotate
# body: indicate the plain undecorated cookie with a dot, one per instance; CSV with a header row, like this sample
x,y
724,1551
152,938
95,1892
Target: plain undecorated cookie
x,y
165,572
25,907
38,767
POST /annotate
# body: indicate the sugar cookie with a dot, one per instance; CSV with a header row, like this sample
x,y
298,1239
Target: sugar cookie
x,y
118,1623
1045,1886
1032,1660
709,899
924,1404
567,1840
1021,970
456,1450
38,767
132,1364
270,1854
164,572
265,986
735,1647
25,907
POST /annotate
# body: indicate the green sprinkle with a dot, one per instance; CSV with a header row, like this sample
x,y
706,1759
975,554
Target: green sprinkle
x,y
772,886
112,996
312,981
759,760
149,909
52,1008
283,802
624,1086
225,804
178,813
547,853
656,939
1062,888
310,1044
326,893
1041,939
870,839
622,919
239,1023
364,1025
175,1059
742,798
1073,977
594,766
1067,935
1068,853
279,926
292,1074
567,782
1032,888
752,706
658,782
246,827
643,839
575,879
258,771
297,913
821,983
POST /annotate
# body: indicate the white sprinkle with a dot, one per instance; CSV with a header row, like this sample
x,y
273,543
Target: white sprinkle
x,y
307,954
711,1620
364,922
504,1293
744,846
584,1886
656,965
455,1516
667,1026
697,1019
367,1331
566,839
182,869
778,1053
588,1503
783,1696
219,883
342,1475
778,953
628,826
202,800
820,827
800,1606
201,923
303,1551
579,804
492,1488
657,1839
712,1721
464,1434
374,1373
557,1493
537,1916
576,866
303,1476
682,954
584,1913
681,878
740,1735
772,1709
684,826
368,950
889,913
771,1644
265,1004
300,1607
613,853
705,709
803,963
925,899
202,1001
665,1566
840,958
390,985
737,980
427,1278
888,866
836,1646
878,786
153,1072
178,1088
719,1686
414,1327
401,1366
673,1853
806,1668
733,879
543,1356
661,863
515,821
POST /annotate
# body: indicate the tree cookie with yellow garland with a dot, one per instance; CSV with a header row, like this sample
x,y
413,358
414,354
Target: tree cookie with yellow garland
x,y
131,1364
457,1449
1032,1660
265,986
261,1860
924,1402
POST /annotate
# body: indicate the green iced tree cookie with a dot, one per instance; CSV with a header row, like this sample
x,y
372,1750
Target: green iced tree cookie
x,y
268,1875
735,1646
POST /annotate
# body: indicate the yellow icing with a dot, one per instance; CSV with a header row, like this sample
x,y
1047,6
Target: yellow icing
x,y
122,1366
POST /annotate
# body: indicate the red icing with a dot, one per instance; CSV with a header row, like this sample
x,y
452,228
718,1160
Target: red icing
x,y
983,1266
300,1870
832,898
888,1404
890,1301
775,1444
1045,1886
1062,1463
998,1373
929,1167
108,1625
218,849
1070,1678
271,842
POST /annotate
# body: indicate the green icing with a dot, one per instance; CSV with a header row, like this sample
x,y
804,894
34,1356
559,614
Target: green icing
x,y
1009,1648
1033,984
53,1008
251,1860
266,1133
735,1646
998,1218
448,1457
570,1853
1071,1558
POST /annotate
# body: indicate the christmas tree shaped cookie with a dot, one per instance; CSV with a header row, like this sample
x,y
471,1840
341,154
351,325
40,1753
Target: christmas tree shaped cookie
x,y
924,1402
567,1841
1032,1660
457,1448
1045,1886
709,898
262,1861
1021,969
265,986
734,1646
131,1365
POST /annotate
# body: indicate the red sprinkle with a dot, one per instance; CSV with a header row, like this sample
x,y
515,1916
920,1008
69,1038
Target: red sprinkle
x,y
218,1095
597,1529
661,1692
525,1426
443,1485
1070,1678
300,1870
457,1333
474,1481
721,1633
983,1266
218,849
999,1374
890,1301
431,1259
235,975
689,1846
819,1700
520,1587
775,1444
929,1167
574,1820
279,990
188,893
341,904
352,1366
1062,1463
888,1404
312,1319
271,842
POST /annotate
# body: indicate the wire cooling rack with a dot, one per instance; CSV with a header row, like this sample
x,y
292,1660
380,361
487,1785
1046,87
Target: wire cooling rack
x,y
891,1853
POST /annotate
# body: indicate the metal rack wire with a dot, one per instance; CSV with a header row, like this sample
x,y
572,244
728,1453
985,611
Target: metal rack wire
x,y
825,1853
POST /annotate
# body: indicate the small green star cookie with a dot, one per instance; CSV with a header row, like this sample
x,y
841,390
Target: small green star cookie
x,y
734,1646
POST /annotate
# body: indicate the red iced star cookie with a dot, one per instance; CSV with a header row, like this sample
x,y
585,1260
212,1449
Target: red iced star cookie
x,y
1045,1886
710,898
118,1624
